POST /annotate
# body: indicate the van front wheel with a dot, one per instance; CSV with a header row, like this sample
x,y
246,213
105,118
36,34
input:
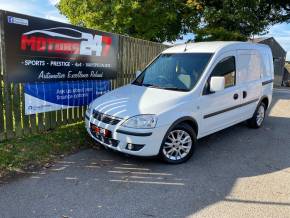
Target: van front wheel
x,y
258,118
178,144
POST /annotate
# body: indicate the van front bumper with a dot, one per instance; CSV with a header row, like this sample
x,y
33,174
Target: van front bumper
x,y
148,141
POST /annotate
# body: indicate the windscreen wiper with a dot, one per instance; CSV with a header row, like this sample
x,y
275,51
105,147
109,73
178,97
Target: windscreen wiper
x,y
176,89
151,85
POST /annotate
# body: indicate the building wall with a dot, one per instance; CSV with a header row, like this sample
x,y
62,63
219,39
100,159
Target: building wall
x,y
286,77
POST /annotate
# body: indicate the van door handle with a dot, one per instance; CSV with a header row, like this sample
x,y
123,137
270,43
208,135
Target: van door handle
x,y
236,96
244,94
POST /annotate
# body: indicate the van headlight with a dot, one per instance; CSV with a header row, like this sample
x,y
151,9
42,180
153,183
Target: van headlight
x,y
147,121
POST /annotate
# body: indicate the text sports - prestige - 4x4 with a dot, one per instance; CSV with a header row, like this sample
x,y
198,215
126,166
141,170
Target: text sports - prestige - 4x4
x,y
187,92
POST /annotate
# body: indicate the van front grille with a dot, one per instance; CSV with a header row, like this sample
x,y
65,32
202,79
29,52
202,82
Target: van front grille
x,y
105,118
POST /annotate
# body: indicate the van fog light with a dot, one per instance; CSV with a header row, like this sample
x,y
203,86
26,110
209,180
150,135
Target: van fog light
x,y
134,147
130,146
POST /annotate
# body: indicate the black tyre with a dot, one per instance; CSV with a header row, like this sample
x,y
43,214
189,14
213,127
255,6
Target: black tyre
x,y
258,118
178,144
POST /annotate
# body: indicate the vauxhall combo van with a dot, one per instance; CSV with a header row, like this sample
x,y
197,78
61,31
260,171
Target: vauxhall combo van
x,y
187,92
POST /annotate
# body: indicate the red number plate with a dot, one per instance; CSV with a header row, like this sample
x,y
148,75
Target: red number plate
x,y
100,131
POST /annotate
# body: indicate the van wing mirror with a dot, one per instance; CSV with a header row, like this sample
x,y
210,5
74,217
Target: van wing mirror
x,y
138,72
217,83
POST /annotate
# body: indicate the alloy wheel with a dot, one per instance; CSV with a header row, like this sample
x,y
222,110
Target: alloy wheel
x,y
177,145
260,115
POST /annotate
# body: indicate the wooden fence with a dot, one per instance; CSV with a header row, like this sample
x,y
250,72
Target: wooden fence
x,y
133,54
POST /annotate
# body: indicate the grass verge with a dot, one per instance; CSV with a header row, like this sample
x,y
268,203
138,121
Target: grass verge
x,y
31,152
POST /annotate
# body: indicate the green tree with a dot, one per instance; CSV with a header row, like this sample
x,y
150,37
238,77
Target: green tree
x,y
238,19
161,20
156,20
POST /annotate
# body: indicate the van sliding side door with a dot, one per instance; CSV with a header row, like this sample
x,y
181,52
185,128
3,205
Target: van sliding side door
x,y
249,68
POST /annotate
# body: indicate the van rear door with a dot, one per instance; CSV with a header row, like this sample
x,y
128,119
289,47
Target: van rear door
x,y
249,70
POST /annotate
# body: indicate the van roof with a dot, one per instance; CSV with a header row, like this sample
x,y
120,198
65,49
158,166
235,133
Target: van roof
x,y
212,47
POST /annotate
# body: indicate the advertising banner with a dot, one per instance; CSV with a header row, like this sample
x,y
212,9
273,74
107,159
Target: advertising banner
x,y
40,50
44,97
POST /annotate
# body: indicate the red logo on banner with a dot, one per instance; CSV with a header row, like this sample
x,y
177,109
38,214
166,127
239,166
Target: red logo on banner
x,y
57,40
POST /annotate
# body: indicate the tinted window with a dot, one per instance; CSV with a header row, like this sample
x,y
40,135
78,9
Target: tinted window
x,y
174,71
227,69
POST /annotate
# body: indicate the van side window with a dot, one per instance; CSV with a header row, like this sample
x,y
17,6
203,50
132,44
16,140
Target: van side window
x,y
226,68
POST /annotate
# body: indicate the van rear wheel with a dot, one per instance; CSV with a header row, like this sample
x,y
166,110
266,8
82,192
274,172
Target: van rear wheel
x,y
178,144
258,118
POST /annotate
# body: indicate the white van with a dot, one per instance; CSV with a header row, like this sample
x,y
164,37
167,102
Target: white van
x,y
187,92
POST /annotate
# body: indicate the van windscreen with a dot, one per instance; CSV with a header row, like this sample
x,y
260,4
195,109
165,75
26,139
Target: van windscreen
x,y
178,72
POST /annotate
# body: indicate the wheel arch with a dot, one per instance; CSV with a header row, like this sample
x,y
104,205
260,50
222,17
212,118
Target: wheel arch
x,y
188,120
264,99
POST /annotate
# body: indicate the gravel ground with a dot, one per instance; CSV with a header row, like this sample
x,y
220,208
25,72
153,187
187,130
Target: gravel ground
x,y
238,172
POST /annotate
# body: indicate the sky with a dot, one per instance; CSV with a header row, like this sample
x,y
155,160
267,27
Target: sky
x,y
46,9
